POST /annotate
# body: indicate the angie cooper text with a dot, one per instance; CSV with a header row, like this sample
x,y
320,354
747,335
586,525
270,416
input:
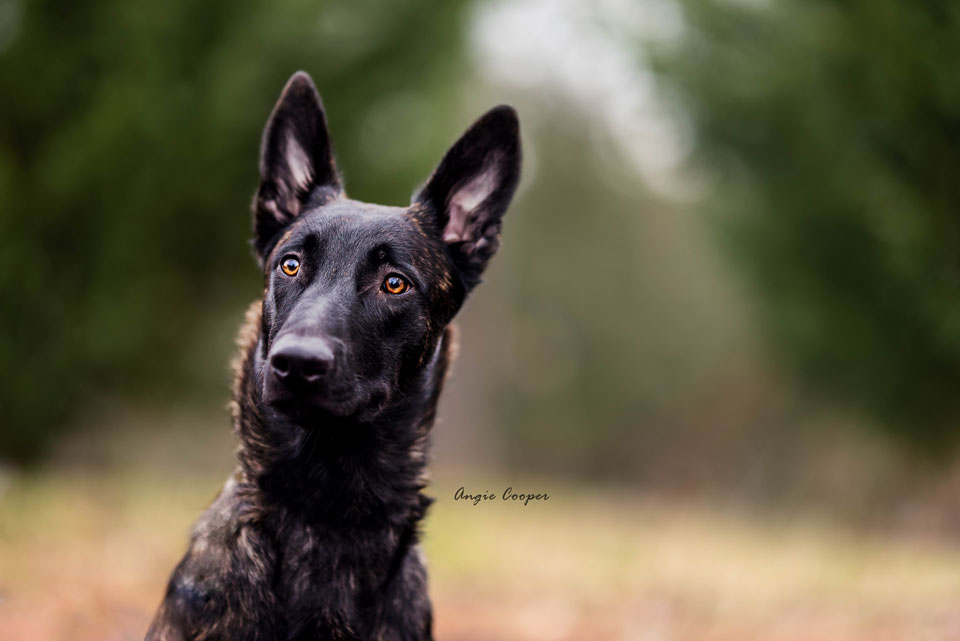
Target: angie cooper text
x,y
508,495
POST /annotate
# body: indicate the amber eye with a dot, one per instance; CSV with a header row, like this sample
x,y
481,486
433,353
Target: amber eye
x,y
290,266
394,284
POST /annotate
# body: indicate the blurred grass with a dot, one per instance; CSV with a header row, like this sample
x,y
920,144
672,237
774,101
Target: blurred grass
x,y
87,549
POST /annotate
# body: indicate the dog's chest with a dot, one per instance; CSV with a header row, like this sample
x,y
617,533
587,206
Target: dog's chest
x,y
329,580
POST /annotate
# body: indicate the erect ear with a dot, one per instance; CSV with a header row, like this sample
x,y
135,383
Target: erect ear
x,y
470,190
296,161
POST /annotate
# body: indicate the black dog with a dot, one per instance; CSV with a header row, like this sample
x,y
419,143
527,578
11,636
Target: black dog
x,y
340,367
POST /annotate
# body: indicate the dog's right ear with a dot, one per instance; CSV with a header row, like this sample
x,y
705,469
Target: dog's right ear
x,y
296,162
470,190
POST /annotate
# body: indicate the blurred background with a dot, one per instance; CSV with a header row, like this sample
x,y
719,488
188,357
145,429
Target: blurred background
x,y
723,330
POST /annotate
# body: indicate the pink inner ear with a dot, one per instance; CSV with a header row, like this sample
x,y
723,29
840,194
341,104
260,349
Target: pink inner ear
x,y
463,205
301,169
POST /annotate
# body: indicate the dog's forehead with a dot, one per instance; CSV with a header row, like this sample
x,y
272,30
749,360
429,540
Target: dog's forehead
x,y
357,219
348,230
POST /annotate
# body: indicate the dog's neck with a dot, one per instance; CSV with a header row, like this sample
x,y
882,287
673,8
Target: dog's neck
x,y
336,472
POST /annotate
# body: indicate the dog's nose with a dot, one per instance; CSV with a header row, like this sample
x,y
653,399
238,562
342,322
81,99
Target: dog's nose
x,y
301,358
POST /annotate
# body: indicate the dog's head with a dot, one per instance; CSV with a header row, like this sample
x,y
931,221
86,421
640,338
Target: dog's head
x,y
357,296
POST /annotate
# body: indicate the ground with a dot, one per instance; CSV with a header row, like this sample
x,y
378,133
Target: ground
x,y
85,555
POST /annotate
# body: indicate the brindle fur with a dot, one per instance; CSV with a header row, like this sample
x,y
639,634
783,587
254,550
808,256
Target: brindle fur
x,y
315,536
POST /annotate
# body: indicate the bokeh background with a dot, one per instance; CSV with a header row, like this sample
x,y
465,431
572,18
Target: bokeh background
x,y
723,331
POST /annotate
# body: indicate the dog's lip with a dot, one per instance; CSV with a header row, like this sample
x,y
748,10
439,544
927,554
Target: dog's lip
x,y
295,405
333,399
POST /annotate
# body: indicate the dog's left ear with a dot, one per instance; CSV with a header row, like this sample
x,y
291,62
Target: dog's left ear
x,y
296,161
470,190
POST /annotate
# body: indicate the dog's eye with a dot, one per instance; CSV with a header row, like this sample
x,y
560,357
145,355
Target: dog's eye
x,y
290,266
394,284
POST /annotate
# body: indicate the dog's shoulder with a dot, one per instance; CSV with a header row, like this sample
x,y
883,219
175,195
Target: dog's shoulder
x,y
224,577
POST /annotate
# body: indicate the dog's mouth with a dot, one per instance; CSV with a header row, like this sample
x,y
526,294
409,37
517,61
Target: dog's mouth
x,y
300,405
336,393
362,402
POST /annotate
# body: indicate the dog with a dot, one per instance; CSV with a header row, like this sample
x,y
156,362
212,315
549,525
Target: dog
x,y
340,366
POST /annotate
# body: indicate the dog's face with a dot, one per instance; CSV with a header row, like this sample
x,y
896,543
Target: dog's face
x,y
357,296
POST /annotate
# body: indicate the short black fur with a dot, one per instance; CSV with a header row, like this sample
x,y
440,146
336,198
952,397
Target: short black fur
x,y
339,370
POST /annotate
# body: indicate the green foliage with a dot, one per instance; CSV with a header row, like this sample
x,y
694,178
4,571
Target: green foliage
x,y
604,324
833,134
128,146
